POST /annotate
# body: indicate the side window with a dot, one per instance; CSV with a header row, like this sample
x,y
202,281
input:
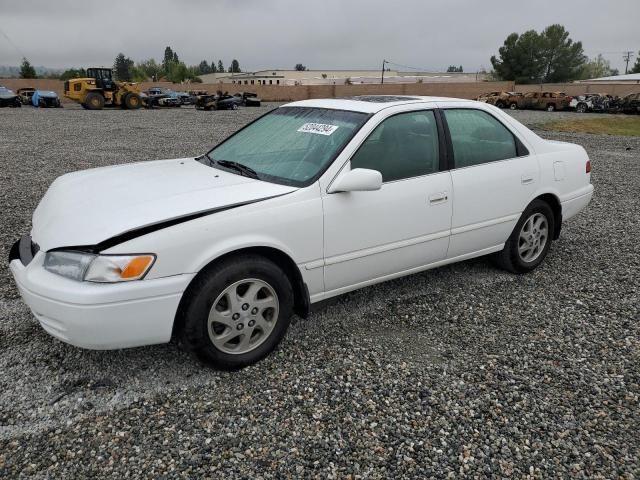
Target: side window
x,y
478,137
402,146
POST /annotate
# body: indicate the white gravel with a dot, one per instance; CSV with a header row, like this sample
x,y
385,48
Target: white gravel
x,y
460,371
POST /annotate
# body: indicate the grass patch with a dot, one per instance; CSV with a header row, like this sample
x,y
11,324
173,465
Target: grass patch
x,y
627,126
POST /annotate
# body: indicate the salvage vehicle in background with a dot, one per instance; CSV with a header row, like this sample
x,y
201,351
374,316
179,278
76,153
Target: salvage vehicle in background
x,y
312,200
98,90
45,99
548,101
500,99
25,95
629,103
249,99
8,98
219,101
159,97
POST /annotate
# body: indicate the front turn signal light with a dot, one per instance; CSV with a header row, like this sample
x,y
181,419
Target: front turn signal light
x,y
119,268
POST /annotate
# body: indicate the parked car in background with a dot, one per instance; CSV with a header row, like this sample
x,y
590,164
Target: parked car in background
x,y
45,99
585,103
8,98
629,103
183,97
249,99
219,101
157,97
548,101
312,200
500,99
25,94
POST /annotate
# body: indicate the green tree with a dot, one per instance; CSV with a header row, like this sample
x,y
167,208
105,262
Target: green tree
x,y
595,68
213,66
636,66
147,70
550,56
220,66
27,70
204,68
235,66
170,59
122,67
300,67
73,73
562,57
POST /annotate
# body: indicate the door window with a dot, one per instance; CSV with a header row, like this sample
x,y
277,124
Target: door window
x,y
402,146
478,137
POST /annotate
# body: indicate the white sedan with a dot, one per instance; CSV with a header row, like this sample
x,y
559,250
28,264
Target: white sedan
x,y
314,199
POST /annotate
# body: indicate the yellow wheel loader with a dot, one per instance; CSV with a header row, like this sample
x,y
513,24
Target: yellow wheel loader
x,y
99,90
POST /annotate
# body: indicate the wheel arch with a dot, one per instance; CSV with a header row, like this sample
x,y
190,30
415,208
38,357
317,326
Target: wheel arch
x,y
556,207
302,301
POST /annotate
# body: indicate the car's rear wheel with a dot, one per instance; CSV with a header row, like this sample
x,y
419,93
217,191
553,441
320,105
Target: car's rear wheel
x,y
530,240
499,104
581,108
237,312
234,106
551,107
513,106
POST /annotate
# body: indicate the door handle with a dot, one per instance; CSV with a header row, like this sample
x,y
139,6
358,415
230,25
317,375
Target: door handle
x,y
437,198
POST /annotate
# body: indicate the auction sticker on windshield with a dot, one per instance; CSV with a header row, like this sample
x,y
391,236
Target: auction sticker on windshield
x,y
319,128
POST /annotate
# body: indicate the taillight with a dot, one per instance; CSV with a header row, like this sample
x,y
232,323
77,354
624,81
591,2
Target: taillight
x,y
588,169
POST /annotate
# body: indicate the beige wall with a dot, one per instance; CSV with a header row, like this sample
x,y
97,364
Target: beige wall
x,y
303,92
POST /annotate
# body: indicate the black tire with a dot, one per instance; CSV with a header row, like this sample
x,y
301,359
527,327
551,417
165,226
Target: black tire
x,y
509,258
94,101
499,104
581,107
201,295
513,106
551,107
234,106
132,101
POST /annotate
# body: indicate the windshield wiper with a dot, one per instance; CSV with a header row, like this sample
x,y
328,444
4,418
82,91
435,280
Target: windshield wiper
x,y
239,167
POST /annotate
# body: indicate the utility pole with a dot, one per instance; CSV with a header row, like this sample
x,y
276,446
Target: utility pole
x,y
382,78
627,58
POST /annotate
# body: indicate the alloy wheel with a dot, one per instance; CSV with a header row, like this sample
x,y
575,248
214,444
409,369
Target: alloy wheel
x,y
533,238
243,316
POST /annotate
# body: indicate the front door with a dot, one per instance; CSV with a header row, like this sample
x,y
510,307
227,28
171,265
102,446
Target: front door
x,y
371,236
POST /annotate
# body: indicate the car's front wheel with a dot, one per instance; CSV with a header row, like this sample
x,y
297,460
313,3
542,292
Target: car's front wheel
x,y
530,240
237,311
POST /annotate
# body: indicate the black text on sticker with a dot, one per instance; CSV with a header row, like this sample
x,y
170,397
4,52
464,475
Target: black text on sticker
x,y
319,128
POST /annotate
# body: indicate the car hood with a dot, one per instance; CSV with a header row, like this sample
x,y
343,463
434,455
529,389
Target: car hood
x,y
88,207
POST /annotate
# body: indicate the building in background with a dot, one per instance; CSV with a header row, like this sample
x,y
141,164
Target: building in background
x,y
633,78
337,77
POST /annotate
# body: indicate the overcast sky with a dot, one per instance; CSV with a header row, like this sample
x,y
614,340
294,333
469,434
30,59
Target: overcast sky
x,y
322,34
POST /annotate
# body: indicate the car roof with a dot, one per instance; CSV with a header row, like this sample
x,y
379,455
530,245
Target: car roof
x,y
368,103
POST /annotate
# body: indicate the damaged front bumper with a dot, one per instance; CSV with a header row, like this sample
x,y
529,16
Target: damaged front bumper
x,y
92,315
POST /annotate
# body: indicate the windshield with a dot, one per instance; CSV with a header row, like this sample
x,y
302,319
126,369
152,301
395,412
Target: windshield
x,y
289,145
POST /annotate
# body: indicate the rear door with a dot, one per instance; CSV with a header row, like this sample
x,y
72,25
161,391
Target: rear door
x,y
493,174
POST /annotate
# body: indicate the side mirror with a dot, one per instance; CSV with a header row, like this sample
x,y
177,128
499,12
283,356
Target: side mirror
x,y
357,180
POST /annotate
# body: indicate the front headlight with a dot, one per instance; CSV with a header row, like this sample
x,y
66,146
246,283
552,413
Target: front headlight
x,y
98,268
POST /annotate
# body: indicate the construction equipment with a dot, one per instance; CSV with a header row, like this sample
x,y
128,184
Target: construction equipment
x,y
98,90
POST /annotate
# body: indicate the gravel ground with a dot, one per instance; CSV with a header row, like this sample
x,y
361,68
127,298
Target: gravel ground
x,y
461,371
